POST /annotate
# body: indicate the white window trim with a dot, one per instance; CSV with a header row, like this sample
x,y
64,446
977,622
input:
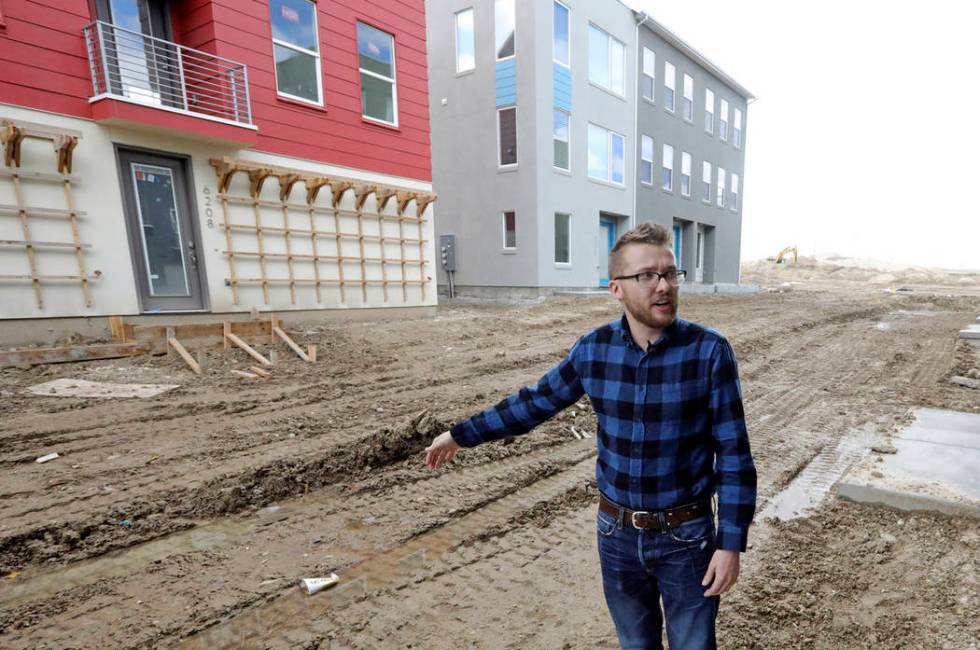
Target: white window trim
x,y
456,39
503,230
564,170
737,129
710,111
517,144
569,10
688,174
663,151
733,185
496,58
393,81
720,184
568,264
652,77
684,97
608,180
671,108
723,120
707,201
609,67
643,160
303,50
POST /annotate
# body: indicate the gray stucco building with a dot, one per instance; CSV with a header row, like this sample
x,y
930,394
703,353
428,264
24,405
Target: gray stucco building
x,y
548,142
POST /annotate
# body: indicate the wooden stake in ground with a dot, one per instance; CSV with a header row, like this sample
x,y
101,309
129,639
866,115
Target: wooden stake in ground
x,y
292,344
182,351
245,346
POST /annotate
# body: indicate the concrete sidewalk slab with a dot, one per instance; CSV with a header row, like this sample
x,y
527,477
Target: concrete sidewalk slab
x,y
934,467
971,332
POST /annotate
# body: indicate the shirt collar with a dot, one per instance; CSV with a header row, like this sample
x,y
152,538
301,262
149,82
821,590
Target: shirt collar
x,y
667,335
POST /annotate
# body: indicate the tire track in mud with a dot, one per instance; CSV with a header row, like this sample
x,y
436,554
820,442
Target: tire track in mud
x,y
293,612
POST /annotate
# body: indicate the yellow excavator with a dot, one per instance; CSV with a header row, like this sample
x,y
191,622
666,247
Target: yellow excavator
x,y
786,251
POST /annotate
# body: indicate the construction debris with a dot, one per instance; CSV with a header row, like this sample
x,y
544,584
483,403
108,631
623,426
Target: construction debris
x,y
46,458
313,585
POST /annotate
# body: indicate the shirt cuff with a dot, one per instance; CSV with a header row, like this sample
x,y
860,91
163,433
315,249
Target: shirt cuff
x,y
465,436
733,538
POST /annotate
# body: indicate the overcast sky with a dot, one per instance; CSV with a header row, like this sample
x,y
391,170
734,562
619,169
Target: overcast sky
x,y
865,138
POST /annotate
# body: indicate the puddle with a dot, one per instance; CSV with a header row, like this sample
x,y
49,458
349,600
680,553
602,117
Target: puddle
x,y
812,485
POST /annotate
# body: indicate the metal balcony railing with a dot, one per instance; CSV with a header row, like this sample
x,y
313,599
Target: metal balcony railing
x,y
135,67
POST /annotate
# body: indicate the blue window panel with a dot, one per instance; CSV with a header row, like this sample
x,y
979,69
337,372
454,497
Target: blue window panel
x,y
506,82
563,88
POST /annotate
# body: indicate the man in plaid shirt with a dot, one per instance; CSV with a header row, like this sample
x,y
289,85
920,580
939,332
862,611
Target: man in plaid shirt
x,y
671,434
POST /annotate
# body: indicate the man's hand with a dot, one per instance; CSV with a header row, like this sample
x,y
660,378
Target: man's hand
x,y
441,451
722,572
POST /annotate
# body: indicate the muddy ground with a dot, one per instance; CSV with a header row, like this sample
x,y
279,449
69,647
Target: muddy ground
x,y
186,520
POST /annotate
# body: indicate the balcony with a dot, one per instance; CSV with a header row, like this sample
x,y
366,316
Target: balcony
x,y
148,83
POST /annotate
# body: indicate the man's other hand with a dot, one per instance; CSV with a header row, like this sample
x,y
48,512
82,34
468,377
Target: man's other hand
x,y
722,572
441,451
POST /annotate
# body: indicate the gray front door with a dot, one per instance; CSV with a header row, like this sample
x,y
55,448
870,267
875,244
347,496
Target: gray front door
x,y
161,231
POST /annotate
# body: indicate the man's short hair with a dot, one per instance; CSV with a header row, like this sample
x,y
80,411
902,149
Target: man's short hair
x,y
645,233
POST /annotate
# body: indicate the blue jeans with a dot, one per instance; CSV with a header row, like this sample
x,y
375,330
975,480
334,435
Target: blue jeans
x,y
641,567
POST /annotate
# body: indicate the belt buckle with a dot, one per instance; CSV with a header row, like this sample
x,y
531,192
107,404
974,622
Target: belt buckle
x,y
633,518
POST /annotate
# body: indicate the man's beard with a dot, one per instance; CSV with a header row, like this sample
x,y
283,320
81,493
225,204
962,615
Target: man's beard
x,y
642,313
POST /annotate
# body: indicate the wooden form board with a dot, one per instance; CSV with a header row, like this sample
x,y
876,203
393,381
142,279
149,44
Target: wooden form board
x,y
350,269
12,134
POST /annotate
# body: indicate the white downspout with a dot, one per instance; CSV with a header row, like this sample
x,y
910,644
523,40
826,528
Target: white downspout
x,y
644,16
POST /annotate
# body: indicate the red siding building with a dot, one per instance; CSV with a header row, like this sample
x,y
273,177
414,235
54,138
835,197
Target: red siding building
x,y
213,156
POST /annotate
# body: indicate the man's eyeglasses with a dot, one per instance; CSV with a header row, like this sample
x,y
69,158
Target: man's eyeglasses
x,y
652,278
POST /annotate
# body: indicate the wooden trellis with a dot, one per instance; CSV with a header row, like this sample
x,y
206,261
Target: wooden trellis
x,y
258,173
12,134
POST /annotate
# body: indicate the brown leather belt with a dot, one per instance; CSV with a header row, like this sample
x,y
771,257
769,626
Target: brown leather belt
x,y
661,520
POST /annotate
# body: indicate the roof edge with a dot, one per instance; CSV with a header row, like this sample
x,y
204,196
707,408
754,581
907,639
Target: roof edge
x,y
659,29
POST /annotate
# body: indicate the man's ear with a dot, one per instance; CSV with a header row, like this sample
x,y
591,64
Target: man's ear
x,y
615,289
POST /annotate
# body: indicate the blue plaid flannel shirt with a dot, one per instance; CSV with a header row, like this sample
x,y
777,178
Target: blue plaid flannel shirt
x,y
671,429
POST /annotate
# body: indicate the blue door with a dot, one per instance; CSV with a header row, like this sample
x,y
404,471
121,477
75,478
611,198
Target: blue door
x,y
607,239
677,246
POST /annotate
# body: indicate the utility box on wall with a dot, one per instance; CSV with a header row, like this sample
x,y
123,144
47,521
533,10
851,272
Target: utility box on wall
x,y
447,252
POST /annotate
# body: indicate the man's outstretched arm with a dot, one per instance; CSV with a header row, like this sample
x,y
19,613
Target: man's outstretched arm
x,y
517,414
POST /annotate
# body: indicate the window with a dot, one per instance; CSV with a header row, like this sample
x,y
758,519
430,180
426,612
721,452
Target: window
x,y
709,111
721,187
606,61
667,170
706,181
649,73
685,174
465,44
560,135
562,238
688,110
670,83
504,21
510,230
507,136
646,160
376,57
296,47
607,151
723,120
738,129
734,205
561,50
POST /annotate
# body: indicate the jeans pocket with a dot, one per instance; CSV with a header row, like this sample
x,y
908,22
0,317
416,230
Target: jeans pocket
x,y
605,524
695,530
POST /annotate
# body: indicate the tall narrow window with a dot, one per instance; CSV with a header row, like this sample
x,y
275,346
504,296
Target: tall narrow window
x,y
738,129
296,46
688,110
734,205
561,48
685,174
560,135
607,151
376,57
507,136
723,120
706,182
465,44
510,230
670,84
709,110
649,73
646,160
562,238
504,24
667,169
721,187
607,60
